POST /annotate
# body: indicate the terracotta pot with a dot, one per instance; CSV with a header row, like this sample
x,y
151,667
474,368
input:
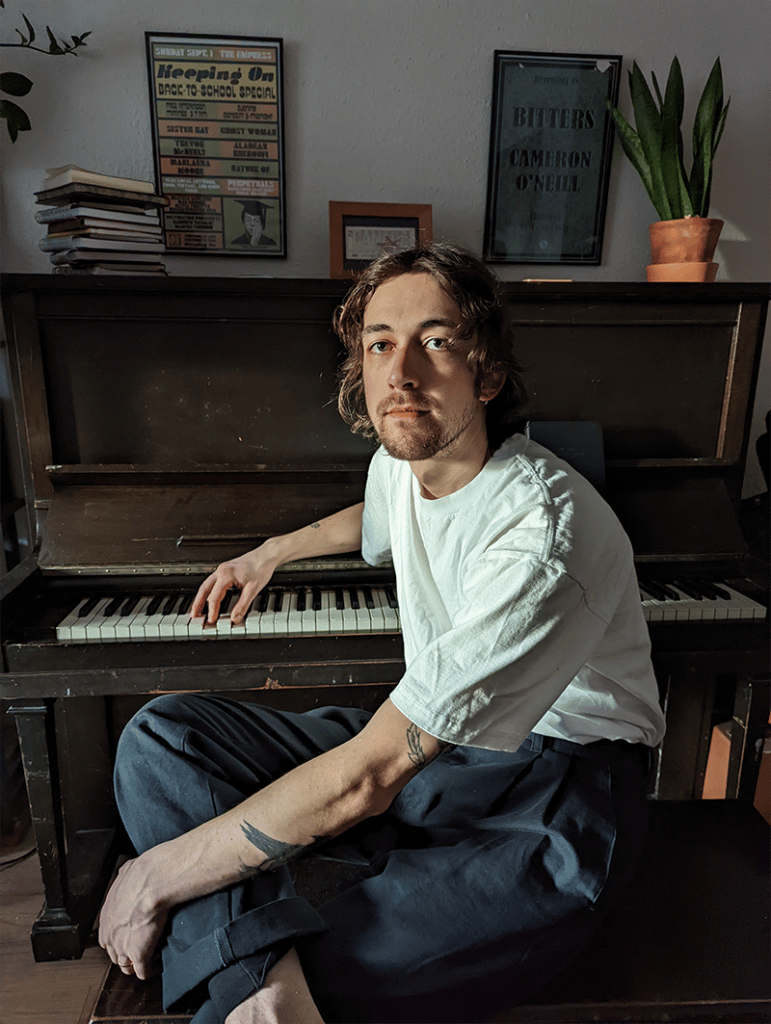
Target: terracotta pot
x,y
682,272
688,240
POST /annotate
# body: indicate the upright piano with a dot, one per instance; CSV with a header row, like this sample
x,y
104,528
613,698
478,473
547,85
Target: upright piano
x,y
167,425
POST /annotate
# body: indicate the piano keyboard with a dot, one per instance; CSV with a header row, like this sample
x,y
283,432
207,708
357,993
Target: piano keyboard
x,y
316,611
301,611
694,600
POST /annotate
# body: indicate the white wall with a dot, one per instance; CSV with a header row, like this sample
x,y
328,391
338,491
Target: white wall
x,y
389,101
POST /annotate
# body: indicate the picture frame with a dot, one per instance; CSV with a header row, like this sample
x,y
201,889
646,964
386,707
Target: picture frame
x,y
551,145
217,117
360,232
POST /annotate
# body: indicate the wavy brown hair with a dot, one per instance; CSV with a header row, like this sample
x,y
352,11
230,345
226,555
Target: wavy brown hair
x,y
475,290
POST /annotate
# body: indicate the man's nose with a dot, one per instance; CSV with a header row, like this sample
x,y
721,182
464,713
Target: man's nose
x,y
404,370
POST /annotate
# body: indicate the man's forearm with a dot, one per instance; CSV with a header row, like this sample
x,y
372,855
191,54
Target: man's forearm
x,y
332,535
316,800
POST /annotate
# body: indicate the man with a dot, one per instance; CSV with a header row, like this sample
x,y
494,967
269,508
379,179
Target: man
x,y
254,215
494,804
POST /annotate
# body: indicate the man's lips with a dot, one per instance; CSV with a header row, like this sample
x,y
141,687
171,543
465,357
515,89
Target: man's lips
x,y
410,414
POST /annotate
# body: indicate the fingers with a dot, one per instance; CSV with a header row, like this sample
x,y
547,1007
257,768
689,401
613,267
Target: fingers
x,y
242,605
209,597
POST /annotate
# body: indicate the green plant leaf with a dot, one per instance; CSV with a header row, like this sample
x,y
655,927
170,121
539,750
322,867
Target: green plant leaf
x,y
705,126
672,167
632,147
30,29
648,125
15,118
55,46
14,84
658,91
719,128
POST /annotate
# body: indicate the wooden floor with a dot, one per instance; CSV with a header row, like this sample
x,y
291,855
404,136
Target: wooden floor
x,y
30,993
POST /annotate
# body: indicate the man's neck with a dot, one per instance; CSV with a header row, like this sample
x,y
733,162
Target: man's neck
x,y
449,472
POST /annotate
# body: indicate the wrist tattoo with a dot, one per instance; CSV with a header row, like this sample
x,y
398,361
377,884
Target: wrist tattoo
x,y
315,526
276,851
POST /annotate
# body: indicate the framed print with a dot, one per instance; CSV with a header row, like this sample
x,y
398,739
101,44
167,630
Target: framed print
x,y
216,105
360,232
550,150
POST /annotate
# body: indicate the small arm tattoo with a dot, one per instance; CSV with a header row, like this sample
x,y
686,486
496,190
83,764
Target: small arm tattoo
x,y
315,526
276,851
417,754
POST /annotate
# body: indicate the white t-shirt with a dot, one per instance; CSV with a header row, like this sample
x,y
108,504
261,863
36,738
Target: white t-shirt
x,y
518,601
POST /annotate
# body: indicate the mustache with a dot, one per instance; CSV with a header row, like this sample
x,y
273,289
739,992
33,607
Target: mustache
x,y
412,401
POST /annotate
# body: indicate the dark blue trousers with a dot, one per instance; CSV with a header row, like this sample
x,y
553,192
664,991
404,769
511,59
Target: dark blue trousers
x,y
484,877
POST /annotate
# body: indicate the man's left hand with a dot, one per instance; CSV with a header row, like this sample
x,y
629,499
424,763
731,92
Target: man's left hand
x,y
132,919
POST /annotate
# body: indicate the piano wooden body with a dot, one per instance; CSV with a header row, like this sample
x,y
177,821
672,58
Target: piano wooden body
x,y
166,425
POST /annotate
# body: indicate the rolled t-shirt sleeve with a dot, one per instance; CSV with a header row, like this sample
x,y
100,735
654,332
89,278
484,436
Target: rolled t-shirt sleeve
x,y
375,527
526,630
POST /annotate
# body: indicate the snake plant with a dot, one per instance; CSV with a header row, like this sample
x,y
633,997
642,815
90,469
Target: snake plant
x,y
655,144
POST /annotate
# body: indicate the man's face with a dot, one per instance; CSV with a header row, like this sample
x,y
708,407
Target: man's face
x,y
420,392
253,226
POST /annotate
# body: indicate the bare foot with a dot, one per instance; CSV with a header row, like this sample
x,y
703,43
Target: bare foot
x,y
284,998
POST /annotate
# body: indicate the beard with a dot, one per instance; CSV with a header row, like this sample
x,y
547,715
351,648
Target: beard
x,y
424,438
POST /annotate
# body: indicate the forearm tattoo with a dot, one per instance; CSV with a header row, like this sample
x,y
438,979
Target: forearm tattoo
x,y
416,752
315,526
276,851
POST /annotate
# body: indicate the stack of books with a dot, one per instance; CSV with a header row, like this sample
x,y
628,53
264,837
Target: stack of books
x,y
99,224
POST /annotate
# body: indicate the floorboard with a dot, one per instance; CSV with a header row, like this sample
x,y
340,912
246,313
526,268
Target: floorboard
x,y
32,993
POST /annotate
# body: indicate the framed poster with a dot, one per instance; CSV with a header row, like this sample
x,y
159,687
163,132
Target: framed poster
x,y
216,105
360,232
550,150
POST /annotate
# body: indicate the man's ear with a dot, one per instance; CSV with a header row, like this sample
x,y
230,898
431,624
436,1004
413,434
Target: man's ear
x,y
492,385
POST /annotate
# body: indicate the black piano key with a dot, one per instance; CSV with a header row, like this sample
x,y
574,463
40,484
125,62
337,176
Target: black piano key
x,y
339,599
88,607
690,590
653,590
154,605
129,606
316,599
170,604
278,601
262,602
369,601
227,602
354,594
721,592
113,606
301,597
391,597
186,604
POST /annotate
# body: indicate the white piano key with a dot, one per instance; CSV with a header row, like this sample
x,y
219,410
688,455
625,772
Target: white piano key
x,y
748,609
308,624
323,623
152,624
335,613
136,627
377,614
294,617
75,621
349,613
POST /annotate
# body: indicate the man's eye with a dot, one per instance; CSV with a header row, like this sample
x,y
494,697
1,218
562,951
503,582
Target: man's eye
x,y
379,347
437,344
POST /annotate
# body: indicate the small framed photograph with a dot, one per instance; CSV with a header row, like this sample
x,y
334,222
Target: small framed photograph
x,y
360,232
551,142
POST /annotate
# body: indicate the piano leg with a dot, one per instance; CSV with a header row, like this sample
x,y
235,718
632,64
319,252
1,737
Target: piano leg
x,y
74,870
